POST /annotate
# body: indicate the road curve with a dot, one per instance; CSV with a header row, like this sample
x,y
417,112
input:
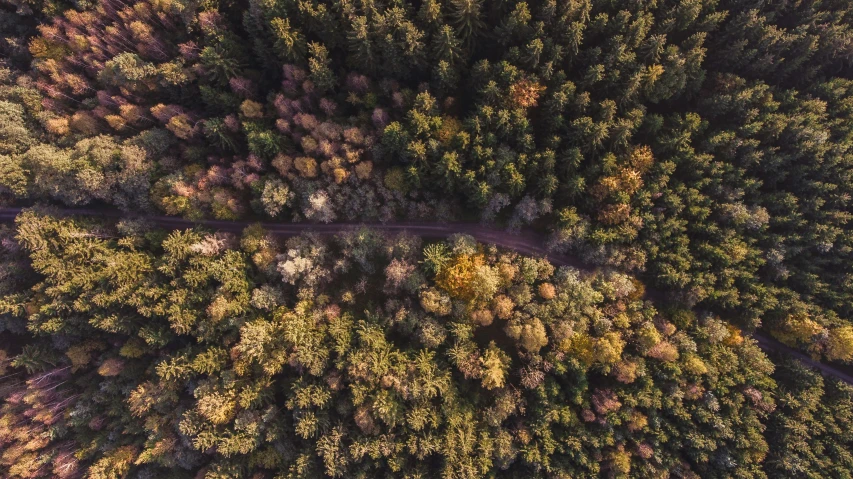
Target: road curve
x,y
526,242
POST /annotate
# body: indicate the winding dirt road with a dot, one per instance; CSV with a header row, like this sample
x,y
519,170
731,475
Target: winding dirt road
x,y
525,242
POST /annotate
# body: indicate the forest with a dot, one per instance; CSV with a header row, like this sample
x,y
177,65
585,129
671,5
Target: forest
x,y
196,353
700,149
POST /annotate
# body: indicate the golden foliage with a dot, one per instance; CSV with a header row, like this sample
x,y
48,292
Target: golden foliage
x,y
114,464
608,348
735,338
180,126
252,109
605,187
625,371
503,307
580,346
217,407
339,175
457,277
533,336
57,126
131,113
495,363
630,180
116,122
43,49
642,158
840,344
637,422
695,365
797,328
306,166
588,350
81,354
547,291
450,126
434,302
111,367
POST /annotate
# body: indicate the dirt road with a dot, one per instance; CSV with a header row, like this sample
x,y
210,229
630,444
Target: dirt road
x,y
525,242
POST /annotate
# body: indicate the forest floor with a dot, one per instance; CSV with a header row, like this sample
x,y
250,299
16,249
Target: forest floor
x,y
525,242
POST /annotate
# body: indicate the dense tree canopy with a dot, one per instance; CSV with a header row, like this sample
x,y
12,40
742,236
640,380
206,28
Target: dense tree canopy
x,y
168,354
701,147
703,143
